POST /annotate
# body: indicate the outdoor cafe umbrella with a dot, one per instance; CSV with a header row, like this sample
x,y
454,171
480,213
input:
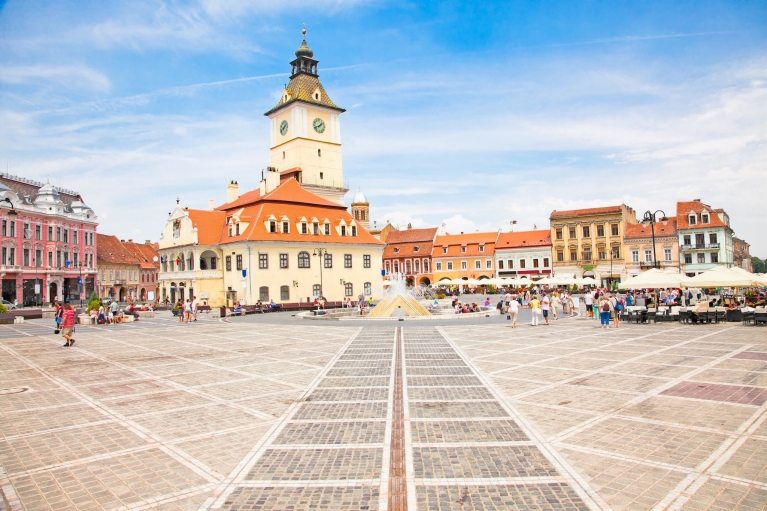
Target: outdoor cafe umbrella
x,y
720,276
654,279
587,281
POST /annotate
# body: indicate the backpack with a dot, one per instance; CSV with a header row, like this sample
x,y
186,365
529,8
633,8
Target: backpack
x,y
618,306
606,307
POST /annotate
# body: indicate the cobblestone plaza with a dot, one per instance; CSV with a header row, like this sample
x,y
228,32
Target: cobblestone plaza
x,y
274,413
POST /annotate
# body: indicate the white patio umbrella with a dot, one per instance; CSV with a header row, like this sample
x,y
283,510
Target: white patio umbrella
x,y
654,279
586,281
721,277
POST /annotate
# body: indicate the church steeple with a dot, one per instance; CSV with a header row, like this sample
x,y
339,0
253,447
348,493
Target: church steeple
x,y
304,63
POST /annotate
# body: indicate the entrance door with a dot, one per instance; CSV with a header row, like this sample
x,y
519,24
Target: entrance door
x,y
53,292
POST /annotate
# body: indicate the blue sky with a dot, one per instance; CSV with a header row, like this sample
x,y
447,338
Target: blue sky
x,y
471,114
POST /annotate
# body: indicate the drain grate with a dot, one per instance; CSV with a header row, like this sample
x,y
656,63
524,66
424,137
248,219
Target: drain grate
x,y
13,390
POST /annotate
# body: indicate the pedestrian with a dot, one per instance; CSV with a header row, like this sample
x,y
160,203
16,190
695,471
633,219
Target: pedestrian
x,y
616,306
535,308
589,301
545,306
180,310
68,324
194,307
513,308
113,311
604,312
59,312
555,303
188,310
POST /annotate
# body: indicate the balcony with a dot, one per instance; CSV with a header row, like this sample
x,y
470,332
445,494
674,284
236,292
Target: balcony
x,y
700,246
338,184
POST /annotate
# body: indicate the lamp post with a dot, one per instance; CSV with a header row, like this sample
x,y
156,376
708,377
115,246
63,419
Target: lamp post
x,y
650,219
320,252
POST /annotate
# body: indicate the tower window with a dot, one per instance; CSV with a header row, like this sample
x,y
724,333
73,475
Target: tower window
x,y
319,152
317,95
322,175
283,155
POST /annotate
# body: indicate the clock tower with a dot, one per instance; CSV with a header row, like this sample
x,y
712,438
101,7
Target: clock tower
x,y
305,131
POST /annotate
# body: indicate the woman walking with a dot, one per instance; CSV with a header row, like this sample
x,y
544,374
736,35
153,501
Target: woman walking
x,y
535,307
604,312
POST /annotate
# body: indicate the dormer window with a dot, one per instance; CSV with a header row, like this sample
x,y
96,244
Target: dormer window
x,y
415,249
327,229
444,250
316,228
463,249
692,220
481,248
704,218
354,230
285,227
343,230
304,228
237,228
396,250
272,226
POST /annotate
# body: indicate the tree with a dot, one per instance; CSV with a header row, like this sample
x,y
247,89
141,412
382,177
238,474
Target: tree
x,y
759,266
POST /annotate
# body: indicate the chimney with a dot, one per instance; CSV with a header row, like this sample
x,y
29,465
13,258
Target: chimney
x,y
409,226
211,205
148,242
272,178
130,240
232,191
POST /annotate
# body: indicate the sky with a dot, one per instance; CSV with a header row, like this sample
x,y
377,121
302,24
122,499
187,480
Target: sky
x,y
467,114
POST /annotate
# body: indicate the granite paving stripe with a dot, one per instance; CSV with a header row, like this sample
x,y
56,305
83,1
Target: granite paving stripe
x,y
332,433
355,394
467,431
716,392
325,410
426,362
443,381
354,382
475,462
529,497
467,410
361,371
448,393
316,464
331,498
431,356
439,371
397,484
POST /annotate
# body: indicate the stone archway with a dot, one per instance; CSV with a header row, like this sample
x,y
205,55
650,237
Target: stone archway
x,y
142,294
121,295
53,292
424,281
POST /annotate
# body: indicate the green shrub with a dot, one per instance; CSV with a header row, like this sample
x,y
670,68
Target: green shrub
x,y
94,296
440,296
3,309
93,304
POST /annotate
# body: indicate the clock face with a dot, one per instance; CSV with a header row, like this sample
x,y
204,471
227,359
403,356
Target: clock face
x,y
319,125
283,127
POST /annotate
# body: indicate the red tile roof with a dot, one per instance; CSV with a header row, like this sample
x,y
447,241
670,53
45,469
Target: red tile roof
x,y
464,239
539,238
288,191
661,230
684,208
587,211
145,253
209,224
411,235
408,250
111,250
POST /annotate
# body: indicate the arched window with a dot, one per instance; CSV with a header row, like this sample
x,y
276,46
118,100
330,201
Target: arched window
x,y
203,264
284,293
368,289
303,259
407,267
263,293
348,289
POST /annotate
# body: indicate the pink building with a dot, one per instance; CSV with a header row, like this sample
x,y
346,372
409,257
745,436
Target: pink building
x,y
48,242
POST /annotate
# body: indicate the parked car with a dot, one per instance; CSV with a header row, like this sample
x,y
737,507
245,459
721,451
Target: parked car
x,y
8,305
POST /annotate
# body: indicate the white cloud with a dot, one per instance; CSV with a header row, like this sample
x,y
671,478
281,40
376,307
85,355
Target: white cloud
x,y
75,76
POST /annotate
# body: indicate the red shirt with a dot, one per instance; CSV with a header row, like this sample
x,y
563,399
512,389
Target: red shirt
x,y
68,318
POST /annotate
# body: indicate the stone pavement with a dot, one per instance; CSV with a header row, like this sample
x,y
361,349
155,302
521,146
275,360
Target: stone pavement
x,y
242,415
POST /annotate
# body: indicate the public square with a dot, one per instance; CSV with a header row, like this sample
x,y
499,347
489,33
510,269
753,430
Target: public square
x,y
272,412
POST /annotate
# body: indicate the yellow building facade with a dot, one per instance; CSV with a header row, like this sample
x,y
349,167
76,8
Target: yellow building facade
x,y
590,242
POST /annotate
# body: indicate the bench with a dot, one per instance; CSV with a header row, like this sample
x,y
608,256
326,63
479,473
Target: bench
x,y
204,308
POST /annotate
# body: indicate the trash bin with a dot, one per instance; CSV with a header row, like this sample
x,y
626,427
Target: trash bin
x,y
223,312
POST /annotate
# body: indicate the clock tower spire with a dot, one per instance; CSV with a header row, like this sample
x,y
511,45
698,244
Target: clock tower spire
x,y
305,130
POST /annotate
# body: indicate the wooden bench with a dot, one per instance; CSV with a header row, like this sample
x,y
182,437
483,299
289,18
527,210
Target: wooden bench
x,y
204,308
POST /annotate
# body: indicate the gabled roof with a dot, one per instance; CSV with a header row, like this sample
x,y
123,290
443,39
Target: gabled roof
x,y
539,238
684,208
588,211
145,253
411,235
480,238
661,230
111,250
301,88
209,224
289,191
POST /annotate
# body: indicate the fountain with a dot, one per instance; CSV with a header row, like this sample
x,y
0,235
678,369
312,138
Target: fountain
x,y
399,302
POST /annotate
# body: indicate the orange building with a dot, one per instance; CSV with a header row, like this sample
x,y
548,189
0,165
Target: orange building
x,y
524,253
409,252
464,256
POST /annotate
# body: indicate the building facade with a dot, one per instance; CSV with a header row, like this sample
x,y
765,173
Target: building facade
x,y
409,252
464,256
705,237
48,243
589,242
524,253
290,240
149,268
118,269
741,253
642,255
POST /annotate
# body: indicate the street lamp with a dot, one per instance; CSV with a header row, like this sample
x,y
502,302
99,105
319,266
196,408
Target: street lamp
x,y
12,212
650,220
320,252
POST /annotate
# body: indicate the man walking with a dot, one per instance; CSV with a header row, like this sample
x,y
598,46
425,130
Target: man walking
x,y
194,307
589,301
513,308
545,306
68,324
